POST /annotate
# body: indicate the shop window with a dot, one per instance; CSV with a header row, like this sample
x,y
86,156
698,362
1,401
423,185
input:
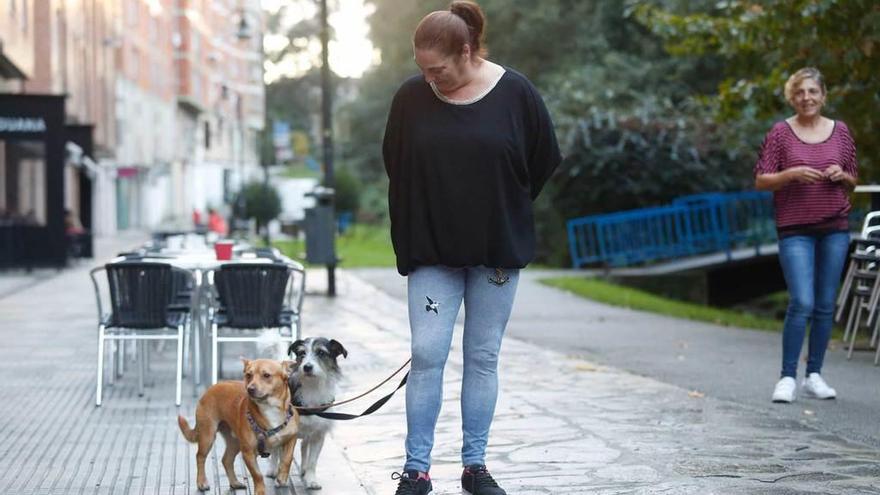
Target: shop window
x,y
23,195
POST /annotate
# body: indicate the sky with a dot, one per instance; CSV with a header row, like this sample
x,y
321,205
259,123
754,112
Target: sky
x,y
351,53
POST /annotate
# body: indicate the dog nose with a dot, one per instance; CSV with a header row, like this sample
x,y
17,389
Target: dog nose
x,y
251,391
308,368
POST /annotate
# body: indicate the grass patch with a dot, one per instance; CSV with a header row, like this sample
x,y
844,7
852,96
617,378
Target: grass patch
x,y
361,246
616,295
300,171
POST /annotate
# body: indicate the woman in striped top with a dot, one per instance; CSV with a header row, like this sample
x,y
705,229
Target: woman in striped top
x,y
809,162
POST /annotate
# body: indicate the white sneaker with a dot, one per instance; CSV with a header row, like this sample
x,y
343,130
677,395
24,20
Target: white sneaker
x,y
815,386
785,390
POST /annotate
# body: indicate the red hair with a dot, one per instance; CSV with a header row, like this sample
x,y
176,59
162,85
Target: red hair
x,y
449,30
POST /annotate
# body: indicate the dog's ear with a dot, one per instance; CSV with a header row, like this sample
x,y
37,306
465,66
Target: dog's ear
x,y
291,350
289,367
336,349
245,362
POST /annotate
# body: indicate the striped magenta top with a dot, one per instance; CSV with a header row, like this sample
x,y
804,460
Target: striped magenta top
x,y
822,205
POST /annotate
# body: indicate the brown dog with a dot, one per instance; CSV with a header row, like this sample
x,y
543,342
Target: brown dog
x,y
251,415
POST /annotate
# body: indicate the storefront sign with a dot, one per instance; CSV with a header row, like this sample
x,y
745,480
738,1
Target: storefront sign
x,y
22,124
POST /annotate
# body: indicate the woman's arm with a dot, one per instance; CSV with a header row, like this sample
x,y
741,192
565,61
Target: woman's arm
x,y
778,180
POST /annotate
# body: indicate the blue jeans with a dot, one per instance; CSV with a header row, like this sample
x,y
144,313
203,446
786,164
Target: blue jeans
x,y
812,265
435,296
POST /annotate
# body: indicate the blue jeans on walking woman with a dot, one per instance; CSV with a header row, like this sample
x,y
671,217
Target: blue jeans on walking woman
x,y
435,296
812,265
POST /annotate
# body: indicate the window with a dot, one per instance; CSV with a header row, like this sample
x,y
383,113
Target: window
x,y
23,168
132,11
154,30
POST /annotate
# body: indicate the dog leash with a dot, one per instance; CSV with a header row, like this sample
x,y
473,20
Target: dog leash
x,y
320,410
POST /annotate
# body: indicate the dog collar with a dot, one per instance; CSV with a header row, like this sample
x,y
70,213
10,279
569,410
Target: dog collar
x,y
263,434
298,404
308,411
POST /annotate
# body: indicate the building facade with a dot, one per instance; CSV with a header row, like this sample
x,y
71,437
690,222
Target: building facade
x,y
161,103
220,99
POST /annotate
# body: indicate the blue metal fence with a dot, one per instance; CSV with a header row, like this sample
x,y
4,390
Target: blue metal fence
x,y
695,224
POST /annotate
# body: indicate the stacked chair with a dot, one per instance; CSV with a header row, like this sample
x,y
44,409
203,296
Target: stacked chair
x,y
859,296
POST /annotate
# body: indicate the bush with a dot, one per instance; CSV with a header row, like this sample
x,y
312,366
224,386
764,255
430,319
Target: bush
x,y
347,191
259,201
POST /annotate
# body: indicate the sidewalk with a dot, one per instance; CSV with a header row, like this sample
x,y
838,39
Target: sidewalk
x,y
15,280
567,426
53,440
563,425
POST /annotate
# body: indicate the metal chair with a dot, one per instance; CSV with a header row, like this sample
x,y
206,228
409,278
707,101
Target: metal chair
x,y
869,224
255,296
182,300
142,307
865,255
864,296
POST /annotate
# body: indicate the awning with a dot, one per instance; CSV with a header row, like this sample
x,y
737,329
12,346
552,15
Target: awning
x,y
76,157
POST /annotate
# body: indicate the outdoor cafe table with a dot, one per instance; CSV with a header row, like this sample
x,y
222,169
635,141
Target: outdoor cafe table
x,y
199,262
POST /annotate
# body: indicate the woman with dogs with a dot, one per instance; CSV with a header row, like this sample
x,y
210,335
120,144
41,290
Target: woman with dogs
x,y
809,162
468,146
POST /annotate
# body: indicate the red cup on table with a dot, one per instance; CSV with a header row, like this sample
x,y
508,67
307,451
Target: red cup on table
x,y
223,250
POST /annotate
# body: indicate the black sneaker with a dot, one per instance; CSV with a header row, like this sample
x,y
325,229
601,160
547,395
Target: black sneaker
x,y
476,480
411,483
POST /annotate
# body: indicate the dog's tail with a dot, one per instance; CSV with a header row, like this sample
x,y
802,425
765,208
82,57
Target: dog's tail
x,y
188,433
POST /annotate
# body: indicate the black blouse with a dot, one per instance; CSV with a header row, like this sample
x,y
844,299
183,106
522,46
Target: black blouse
x,y
463,176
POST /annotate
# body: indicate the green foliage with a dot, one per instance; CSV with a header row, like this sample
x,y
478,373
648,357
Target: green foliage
x,y
621,104
260,201
348,190
391,28
552,246
362,246
299,170
606,292
761,44
290,100
618,162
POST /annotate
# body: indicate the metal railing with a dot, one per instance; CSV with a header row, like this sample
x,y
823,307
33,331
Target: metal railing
x,y
691,225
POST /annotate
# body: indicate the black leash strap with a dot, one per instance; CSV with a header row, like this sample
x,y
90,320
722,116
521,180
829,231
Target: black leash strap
x,y
370,410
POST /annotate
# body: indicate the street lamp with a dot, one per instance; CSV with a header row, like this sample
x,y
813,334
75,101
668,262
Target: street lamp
x,y
244,31
327,136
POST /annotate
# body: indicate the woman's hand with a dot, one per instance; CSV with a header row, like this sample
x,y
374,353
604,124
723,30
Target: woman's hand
x,y
834,173
807,175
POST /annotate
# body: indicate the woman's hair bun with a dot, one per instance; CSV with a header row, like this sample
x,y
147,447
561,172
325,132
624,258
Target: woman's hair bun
x,y
473,16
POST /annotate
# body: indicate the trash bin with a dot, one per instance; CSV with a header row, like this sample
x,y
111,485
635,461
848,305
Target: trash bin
x,y
320,228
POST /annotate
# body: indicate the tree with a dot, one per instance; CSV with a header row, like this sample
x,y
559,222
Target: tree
x,y
621,104
762,43
391,27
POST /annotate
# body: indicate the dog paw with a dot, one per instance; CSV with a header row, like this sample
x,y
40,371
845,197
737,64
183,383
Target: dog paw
x,y
203,487
312,484
281,481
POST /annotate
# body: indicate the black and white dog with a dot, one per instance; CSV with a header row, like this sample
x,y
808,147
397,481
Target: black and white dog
x,y
314,384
